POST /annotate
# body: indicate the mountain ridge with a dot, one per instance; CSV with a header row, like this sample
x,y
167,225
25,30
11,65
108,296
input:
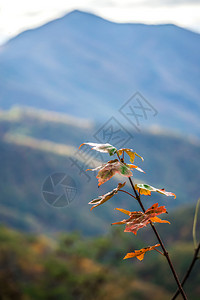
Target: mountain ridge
x,y
89,67
93,15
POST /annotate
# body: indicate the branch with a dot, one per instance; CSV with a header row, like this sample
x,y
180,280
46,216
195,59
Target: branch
x,y
161,244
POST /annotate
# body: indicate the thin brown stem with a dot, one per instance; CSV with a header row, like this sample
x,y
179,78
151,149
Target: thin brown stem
x,y
118,156
195,258
128,193
161,244
159,251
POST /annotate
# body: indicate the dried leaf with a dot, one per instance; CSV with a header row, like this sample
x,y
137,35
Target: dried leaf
x,y
145,189
102,199
106,148
140,253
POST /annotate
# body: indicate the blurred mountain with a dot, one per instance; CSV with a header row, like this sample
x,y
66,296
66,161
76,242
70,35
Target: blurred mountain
x,y
37,144
89,67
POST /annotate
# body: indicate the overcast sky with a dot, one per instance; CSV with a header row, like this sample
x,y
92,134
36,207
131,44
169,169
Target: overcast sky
x,y
19,15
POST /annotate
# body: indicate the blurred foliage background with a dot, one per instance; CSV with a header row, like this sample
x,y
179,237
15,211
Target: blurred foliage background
x,y
60,84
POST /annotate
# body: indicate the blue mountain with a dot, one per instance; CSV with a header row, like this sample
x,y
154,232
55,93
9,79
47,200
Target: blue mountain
x,y
89,67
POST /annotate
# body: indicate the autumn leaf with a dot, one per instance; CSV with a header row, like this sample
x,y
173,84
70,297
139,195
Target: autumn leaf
x,y
145,189
139,219
109,169
135,223
140,253
106,148
130,153
102,199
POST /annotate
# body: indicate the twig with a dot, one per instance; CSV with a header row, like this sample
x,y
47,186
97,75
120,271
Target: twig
x,y
128,194
159,251
195,224
195,258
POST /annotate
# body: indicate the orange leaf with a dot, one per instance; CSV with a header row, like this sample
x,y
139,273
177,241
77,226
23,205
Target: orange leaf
x,y
140,253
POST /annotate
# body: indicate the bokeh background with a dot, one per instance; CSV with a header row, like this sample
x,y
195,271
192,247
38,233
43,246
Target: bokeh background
x,y
125,73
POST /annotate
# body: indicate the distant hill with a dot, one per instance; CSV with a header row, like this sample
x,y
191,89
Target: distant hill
x,y
36,144
89,67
